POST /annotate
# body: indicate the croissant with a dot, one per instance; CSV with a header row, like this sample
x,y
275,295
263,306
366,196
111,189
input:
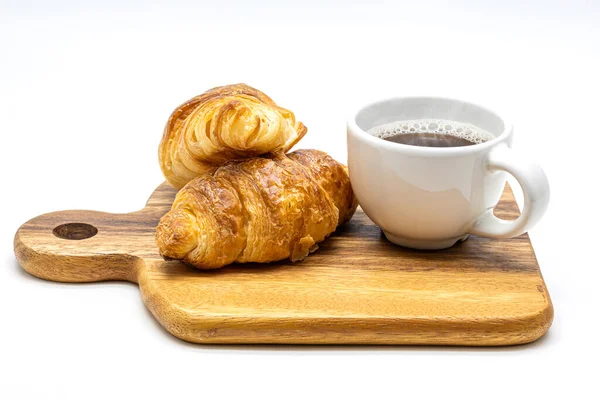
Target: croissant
x,y
225,123
258,210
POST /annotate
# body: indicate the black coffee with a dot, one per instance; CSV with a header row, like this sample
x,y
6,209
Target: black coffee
x,y
428,139
431,133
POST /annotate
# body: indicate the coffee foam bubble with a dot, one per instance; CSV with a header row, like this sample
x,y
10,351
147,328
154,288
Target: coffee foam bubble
x,y
460,130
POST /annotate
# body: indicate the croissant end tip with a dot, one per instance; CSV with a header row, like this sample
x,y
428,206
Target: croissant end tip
x,y
176,234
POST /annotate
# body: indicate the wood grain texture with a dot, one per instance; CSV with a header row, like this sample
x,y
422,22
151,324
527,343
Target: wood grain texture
x,y
358,288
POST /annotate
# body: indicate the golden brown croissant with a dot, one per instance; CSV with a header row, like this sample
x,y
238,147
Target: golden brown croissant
x,y
258,210
225,123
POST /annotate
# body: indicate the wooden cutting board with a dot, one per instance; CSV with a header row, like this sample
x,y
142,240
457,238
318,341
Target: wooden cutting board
x,y
357,288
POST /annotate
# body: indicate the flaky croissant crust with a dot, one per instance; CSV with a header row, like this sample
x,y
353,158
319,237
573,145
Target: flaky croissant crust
x,y
259,210
225,123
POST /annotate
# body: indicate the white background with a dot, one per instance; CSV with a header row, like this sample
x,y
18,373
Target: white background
x,y
85,90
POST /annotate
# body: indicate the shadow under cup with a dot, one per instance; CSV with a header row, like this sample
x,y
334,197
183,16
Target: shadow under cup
x,y
424,197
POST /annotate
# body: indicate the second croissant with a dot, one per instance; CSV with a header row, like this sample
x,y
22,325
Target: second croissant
x,y
260,210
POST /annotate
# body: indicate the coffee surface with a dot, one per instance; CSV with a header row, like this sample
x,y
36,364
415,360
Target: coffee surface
x,y
428,139
431,133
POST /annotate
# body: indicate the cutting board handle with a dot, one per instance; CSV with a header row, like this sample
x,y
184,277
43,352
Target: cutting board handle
x,y
85,246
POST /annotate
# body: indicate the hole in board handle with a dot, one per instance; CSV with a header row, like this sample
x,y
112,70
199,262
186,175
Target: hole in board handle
x,y
75,231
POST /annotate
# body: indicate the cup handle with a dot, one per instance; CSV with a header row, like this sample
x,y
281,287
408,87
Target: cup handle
x,y
536,193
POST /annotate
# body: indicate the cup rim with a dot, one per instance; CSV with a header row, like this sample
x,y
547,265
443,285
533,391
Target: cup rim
x,y
433,151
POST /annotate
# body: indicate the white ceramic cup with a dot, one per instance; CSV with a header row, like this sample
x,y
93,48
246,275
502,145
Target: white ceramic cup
x,y
431,197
